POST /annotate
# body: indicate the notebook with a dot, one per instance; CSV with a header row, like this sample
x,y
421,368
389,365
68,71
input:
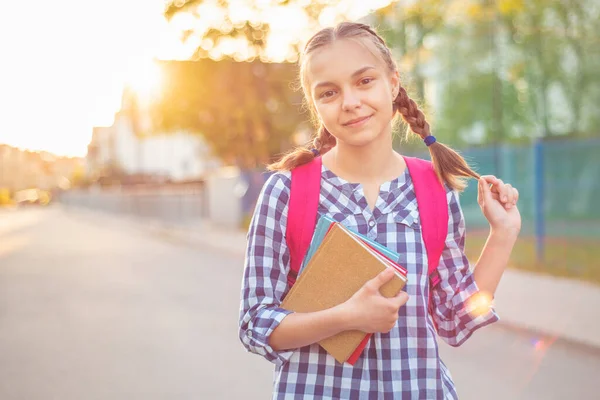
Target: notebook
x,y
338,263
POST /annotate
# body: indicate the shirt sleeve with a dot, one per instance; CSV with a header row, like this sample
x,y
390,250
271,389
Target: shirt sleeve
x,y
266,266
459,308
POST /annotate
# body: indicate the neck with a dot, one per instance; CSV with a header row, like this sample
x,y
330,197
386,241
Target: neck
x,y
375,162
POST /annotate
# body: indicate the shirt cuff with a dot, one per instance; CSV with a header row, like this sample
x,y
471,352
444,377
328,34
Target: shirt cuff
x,y
474,312
258,333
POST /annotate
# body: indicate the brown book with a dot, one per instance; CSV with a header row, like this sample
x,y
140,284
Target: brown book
x,y
341,265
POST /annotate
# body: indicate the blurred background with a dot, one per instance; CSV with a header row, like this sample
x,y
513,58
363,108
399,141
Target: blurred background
x,y
133,140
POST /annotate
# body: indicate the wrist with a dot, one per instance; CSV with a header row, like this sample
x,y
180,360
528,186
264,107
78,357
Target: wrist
x,y
344,316
503,234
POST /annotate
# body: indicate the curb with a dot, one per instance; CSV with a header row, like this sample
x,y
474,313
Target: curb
x,y
546,339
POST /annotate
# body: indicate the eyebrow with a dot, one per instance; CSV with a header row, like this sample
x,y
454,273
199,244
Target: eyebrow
x,y
354,75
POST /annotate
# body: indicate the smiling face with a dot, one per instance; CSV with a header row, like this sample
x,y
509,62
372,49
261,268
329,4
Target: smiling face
x,y
352,90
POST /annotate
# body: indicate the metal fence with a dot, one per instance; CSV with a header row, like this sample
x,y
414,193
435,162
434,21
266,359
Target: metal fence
x,y
173,206
558,183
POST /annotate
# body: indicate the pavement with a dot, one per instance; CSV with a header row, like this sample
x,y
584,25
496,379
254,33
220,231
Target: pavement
x,y
551,307
99,306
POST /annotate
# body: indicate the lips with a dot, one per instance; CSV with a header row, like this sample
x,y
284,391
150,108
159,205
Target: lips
x,y
357,121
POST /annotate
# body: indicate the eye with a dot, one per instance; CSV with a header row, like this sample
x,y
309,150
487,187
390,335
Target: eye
x,y
326,94
366,81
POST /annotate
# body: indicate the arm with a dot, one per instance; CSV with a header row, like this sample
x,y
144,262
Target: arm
x,y
303,329
265,270
367,310
493,260
499,208
457,310
265,328
462,300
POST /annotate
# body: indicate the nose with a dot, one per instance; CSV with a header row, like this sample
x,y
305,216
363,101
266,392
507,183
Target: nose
x,y
351,100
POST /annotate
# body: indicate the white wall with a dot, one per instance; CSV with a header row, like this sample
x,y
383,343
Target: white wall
x,y
224,206
179,156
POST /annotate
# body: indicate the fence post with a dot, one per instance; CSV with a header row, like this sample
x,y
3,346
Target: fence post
x,y
538,198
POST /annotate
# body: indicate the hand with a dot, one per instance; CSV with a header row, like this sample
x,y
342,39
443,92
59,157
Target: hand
x,y
499,204
370,311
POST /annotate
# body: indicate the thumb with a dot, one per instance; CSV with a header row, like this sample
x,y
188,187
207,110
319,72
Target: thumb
x,y
381,279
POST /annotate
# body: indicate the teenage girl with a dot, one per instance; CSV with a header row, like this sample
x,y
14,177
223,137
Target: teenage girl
x,y
353,87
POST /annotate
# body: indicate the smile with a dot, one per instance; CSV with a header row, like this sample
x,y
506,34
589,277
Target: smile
x,y
358,121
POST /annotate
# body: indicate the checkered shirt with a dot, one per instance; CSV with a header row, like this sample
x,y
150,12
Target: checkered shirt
x,y
401,364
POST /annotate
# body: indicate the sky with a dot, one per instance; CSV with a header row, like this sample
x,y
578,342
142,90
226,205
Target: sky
x,y
64,64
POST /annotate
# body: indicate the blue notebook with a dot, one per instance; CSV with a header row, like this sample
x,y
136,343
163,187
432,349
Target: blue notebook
x,y
321,230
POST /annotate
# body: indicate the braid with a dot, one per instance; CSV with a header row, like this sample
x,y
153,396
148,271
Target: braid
x,y
411,114
324,141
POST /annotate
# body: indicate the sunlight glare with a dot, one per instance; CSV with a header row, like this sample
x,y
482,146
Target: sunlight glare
x,y
145,78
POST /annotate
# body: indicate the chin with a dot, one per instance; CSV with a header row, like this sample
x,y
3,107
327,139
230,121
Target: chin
x,y
361,138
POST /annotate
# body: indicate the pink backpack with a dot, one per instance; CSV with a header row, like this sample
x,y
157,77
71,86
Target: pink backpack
x,y
304,202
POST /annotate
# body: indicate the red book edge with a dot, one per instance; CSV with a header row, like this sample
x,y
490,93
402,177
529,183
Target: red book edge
x,y
358,351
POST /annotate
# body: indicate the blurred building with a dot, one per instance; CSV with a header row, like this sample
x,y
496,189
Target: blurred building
x,y
123,150
22,169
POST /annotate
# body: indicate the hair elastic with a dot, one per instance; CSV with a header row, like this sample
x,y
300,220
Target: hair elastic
x,y
429,140
315,152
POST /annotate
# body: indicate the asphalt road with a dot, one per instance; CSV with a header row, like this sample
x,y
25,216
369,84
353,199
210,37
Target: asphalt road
x,y
95,307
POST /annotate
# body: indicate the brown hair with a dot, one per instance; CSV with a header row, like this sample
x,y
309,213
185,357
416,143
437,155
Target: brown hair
x,y
450,166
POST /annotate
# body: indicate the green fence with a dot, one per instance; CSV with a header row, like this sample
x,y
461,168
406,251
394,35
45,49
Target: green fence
x,y
570,182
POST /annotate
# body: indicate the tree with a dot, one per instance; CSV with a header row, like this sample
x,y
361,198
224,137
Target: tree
x,y
559,50
243,103
246,111
405,26
242,29
511,68
480,103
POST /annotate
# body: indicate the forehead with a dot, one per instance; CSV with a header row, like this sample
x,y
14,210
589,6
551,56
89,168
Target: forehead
x,y
340,59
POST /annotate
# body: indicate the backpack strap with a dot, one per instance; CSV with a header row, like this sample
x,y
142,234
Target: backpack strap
x,y
433,211
302,213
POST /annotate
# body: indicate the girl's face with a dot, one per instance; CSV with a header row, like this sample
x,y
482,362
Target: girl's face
x,y
352,90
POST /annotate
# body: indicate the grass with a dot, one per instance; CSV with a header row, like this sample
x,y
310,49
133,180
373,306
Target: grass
x,y
576,258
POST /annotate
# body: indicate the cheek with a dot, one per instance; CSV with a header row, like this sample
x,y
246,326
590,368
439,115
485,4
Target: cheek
x,y
327,112
384,105
383,99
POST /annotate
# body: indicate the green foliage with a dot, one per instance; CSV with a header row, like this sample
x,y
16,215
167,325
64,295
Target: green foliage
x,y
246,111
249,21
493,71
506,70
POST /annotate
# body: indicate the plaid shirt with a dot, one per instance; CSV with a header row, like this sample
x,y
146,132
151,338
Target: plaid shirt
x,y
401,364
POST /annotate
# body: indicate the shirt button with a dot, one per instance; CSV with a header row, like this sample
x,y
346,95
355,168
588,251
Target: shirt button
x,y
416,220
371,223
249,333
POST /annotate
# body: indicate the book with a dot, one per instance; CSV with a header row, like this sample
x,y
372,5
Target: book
x,y
338,263
324,224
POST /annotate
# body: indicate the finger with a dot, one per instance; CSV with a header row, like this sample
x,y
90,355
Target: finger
x,y
381,279
494,195
490,179
485,191
509,193
501,187
515,196
496,185
400,299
